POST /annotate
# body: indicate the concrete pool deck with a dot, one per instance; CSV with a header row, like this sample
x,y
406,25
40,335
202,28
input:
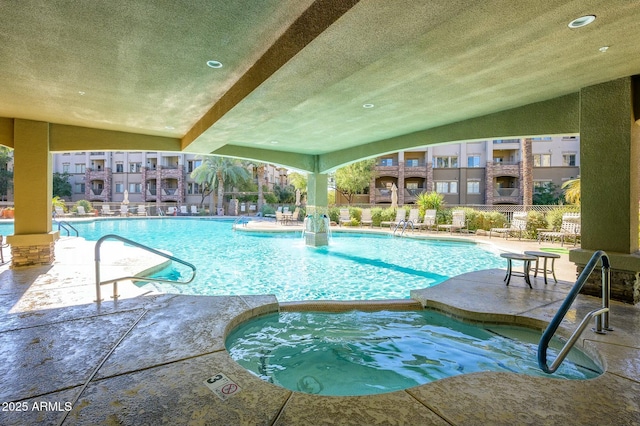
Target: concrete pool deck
x,y
145,358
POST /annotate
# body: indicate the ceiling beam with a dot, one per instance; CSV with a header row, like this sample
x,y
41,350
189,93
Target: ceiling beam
x,y
64,138
316,19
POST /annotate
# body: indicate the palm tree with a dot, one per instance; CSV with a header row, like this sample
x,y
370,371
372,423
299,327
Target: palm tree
x,y
218,171
572,191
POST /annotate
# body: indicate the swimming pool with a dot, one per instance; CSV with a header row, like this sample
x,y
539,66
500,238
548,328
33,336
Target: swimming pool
x,y
363,353
352,267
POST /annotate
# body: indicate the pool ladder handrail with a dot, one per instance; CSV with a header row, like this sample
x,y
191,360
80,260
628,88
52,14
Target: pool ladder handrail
x,y
134,278
602,314
63,224
405,224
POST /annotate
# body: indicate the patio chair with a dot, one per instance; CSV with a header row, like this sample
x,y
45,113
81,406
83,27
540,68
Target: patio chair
x,y
172,211
59,211
295,216
344,216
517,225
124,210
194,210
81,211
106,210
401,214
570,228
142,211
458,222
429,220
184,211
414,216
280,217
366,219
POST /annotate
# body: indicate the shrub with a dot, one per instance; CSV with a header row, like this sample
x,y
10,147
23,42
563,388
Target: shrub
x,y
84,203
267,209
334,214
388,214
554,217
355,213
429,200
493,220
376,216
535,221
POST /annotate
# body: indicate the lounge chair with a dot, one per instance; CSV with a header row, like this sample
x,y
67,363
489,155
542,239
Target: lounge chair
x,y
81,211
517,225
458,222
365,218
570,228
172,211
142,211
124,210
194,210
401,214
344,216
106,210
59,211
184,211
429,220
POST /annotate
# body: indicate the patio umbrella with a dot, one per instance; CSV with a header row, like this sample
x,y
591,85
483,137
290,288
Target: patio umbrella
x,y
297,197
394,196
126,197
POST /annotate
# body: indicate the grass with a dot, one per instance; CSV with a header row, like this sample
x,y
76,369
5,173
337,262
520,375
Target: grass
x,y
555,250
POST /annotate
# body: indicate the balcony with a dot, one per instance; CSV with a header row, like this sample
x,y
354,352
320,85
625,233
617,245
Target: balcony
x,y
506,168
411,194
383,195
506,196
97,194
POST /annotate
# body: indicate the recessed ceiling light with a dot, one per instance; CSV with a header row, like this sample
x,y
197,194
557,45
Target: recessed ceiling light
x,y
582,21
214,64
81,93
274,142
368,105
604,49
169,127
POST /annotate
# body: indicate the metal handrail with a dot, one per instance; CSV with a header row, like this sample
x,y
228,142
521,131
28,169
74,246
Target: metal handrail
x,y
134,278
404,227
63,224
602,314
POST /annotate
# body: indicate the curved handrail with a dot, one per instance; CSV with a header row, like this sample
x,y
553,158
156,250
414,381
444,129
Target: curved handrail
x,y
602,314
135,278
404,227
63,224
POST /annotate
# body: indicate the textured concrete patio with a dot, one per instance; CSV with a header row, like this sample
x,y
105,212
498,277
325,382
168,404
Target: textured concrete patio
x,y
145,358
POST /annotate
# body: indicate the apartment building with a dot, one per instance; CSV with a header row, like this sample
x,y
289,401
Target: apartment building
x,y
500,171
149,177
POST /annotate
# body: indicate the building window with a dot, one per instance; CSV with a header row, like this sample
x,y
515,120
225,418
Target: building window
x,y
66,168
119,168
135,167
386,162
79,188
192,165
119,188
193,188
445,162
541,186
542,160
80,168
473,187
447,187
412,162
569,160
473,161
135,188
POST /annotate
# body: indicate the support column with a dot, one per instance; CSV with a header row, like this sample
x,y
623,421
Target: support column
x,y
609,148
317,222
33,241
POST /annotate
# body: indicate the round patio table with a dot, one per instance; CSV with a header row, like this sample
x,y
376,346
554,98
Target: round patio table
x,y
544,255
527,259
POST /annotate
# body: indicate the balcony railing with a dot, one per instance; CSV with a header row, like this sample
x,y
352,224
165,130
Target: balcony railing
x,y
507,192
413,192
387,163
415,164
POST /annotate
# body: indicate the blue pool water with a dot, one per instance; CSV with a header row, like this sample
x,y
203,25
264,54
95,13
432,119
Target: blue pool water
x,y
352,267
361,353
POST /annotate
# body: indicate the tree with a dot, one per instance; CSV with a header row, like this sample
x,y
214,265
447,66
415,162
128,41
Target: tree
x,y
572,191
6,176
354,178
215,172
61,186
546,195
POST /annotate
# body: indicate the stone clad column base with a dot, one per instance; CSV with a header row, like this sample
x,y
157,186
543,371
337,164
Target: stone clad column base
x,y
625,275
314,239
32,250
